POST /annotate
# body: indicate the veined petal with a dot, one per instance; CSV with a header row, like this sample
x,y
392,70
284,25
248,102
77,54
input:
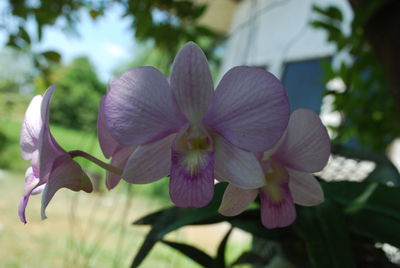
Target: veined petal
x,y
66,173
149,162
140,107
236,200
119,159
107,143
250,109
31,126
306,145
192,177
277,213
49,149
305,188
239,167
191,82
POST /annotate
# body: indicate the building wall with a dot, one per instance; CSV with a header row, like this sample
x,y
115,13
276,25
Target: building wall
x,y
268,33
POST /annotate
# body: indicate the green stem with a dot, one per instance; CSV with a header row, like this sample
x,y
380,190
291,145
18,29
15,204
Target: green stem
x,y
111,168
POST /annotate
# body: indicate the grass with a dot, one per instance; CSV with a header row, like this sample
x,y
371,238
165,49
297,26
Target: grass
x,y
93,231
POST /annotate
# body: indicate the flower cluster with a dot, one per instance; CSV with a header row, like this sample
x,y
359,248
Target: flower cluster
x,y
152,127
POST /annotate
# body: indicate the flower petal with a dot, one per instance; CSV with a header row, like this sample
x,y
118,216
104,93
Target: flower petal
x,y
149,162
66,173
277,214
31,126
119,159
107,143
49,149
191,82
192,178
30,186
31,183
140,107
236,200
239,167
305,188
306,145
249,108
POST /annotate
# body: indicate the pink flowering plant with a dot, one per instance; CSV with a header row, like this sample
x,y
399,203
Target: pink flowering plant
x,y
233,153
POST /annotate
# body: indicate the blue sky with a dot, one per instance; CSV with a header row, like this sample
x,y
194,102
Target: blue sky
x,y
108,41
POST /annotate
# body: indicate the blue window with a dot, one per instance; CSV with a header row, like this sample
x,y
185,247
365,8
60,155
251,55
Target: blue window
x,y
304,84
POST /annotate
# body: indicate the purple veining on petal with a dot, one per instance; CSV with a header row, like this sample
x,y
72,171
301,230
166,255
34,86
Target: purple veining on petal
x,y
306,144
149,162
191,82
192,177
140,107
107,143
249,108
276,213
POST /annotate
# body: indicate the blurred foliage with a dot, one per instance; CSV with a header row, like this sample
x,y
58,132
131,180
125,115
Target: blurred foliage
x,y
77,96
367,106
166,23
341,232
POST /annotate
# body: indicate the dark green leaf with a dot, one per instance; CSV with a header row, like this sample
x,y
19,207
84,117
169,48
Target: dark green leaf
x,y
374,225
220,259
194,253
24,35
52,56
250,258
380,198
173,218
325,233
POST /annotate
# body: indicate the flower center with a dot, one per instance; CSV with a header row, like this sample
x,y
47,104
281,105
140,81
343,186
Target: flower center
x,y
194,144
194,139
275,176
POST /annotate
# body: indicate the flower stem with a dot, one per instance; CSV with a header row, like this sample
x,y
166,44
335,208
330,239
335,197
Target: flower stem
x,y
111,168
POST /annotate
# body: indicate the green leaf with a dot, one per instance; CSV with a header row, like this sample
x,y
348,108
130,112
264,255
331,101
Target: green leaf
x,y
174,218
325,233
373,210
250,258
220,259
383,200
194,253
53,56
24,35
380,228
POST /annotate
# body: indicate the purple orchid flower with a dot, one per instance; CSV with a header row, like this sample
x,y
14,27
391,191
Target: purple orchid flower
x,y
119,154
304,149
51,167
185,129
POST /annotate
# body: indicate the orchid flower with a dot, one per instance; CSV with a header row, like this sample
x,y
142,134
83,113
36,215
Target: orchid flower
x,y
304,149
119,154
185,129
51,167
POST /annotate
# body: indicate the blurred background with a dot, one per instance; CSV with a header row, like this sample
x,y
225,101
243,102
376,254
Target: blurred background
x,y
336,57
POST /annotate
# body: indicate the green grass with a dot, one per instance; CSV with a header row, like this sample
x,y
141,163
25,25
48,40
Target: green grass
x,y
94,230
